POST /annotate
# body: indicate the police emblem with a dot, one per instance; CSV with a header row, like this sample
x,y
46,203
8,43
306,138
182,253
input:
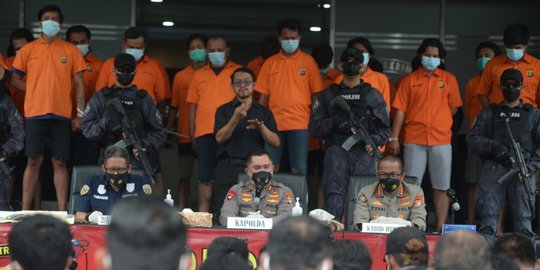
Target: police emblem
x,y
290,197
302,71
63,59
147,189
231,195
441,84
530,73
130,187
101,189
84,190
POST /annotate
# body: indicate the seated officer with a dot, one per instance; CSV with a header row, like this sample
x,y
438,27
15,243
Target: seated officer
x,y
391,197
101,191
259,196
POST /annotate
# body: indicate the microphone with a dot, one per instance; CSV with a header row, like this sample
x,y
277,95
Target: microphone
x,y
451,193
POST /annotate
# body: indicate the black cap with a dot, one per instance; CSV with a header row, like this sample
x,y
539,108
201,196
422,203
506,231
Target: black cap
x,y
398,238
352,54
125,62
512,74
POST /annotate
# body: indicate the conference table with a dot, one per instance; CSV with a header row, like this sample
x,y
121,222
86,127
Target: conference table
x,y
93,237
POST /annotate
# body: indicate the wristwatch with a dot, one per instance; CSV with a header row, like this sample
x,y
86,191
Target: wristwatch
x,y
391,139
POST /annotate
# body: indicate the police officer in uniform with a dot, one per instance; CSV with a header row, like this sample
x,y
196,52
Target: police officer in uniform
x,y
489,138
391,197
103,123
259,196
330,122
101,191
11,143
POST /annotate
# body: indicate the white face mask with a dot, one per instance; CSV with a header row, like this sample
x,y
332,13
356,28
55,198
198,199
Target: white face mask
x,y
50,28
136,53
83,48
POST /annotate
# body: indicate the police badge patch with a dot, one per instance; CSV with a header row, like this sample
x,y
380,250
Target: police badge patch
x,y
147,189
130,187
84,190
63,59
530,73
18,117
302,71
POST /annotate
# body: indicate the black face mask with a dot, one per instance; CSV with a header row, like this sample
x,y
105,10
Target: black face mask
x,y
351,68
117,179
125,78
390,184
511,93
261,179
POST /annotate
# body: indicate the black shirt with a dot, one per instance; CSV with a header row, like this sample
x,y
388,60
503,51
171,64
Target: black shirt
x,y
243,140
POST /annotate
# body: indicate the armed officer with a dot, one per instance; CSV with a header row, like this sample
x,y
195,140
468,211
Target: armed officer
x,y
331,122
102,121
490,139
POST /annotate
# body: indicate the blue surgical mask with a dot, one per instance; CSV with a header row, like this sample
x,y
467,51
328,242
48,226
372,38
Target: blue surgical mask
x,y
515,54
290,45
217,58
430,63
197,55
481,63
366,58
136,53
50,28
83,48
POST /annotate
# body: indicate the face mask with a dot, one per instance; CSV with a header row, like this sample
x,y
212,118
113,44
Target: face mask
x,y
197,55
510,93
351,68
290,45
136,53
515,54
390,185
324,71
217,58
261,179
117,179
481,63
430,63
50,28
84,48
366,58
125,78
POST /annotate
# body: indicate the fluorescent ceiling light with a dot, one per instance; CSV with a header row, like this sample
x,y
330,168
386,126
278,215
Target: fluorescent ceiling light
x,y
326,5
315,29
168,23
156,1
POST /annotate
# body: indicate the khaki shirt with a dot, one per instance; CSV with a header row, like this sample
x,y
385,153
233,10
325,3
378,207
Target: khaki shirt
x,y
407,203
276,202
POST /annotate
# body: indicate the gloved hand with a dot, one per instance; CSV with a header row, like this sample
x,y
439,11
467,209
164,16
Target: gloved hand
x,y
340,103
341,121
95,216
255,215
500,152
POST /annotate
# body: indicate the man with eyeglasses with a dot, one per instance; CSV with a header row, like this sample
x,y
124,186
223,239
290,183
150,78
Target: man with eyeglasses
x,y
391,197
102,191
241,126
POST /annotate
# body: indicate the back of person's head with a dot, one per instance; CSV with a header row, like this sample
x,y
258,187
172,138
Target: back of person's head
x,y
407,246
145,233
351,255
225,262
487,44
40,243
298,243
462,250
323,55
289,23
516,34
501,261
518,247
229,246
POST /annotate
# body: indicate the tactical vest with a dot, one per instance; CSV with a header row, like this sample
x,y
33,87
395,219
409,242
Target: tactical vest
x,y
519,125
133,107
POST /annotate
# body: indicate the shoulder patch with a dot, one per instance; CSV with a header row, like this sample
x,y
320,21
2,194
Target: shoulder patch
x,y
418,200
289,196
231,194
147,189
84,190
362,199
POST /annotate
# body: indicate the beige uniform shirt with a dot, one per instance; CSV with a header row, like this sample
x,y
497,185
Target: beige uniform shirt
x,y
276,202
407,203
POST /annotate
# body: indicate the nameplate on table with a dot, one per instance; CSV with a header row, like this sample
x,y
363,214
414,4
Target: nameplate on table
x,y
380,227
448,228
249,223
104,220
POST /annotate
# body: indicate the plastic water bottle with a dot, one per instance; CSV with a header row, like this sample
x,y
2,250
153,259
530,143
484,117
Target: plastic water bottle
x,y
297,210
168,198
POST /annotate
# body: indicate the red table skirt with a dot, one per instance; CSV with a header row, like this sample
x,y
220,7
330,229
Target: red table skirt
x,y
198,241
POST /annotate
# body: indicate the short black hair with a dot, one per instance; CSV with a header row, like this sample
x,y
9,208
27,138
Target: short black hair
x,y
225,262
501,261
78,29
257,153
134,33
516,34
300,242
193,37
216,37
269,46
517,247
432,42
487,44
116,151
364,41
351,255
323,55
51,8
245,70
223,246
289,23
145,233
41,242
19,33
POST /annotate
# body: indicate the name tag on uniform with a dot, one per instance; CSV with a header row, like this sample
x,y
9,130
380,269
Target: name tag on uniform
x,y
104,220
249,223
380,227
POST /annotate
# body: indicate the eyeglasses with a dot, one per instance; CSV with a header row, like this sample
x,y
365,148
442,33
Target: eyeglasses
x,y
116,170
240,83
389,175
